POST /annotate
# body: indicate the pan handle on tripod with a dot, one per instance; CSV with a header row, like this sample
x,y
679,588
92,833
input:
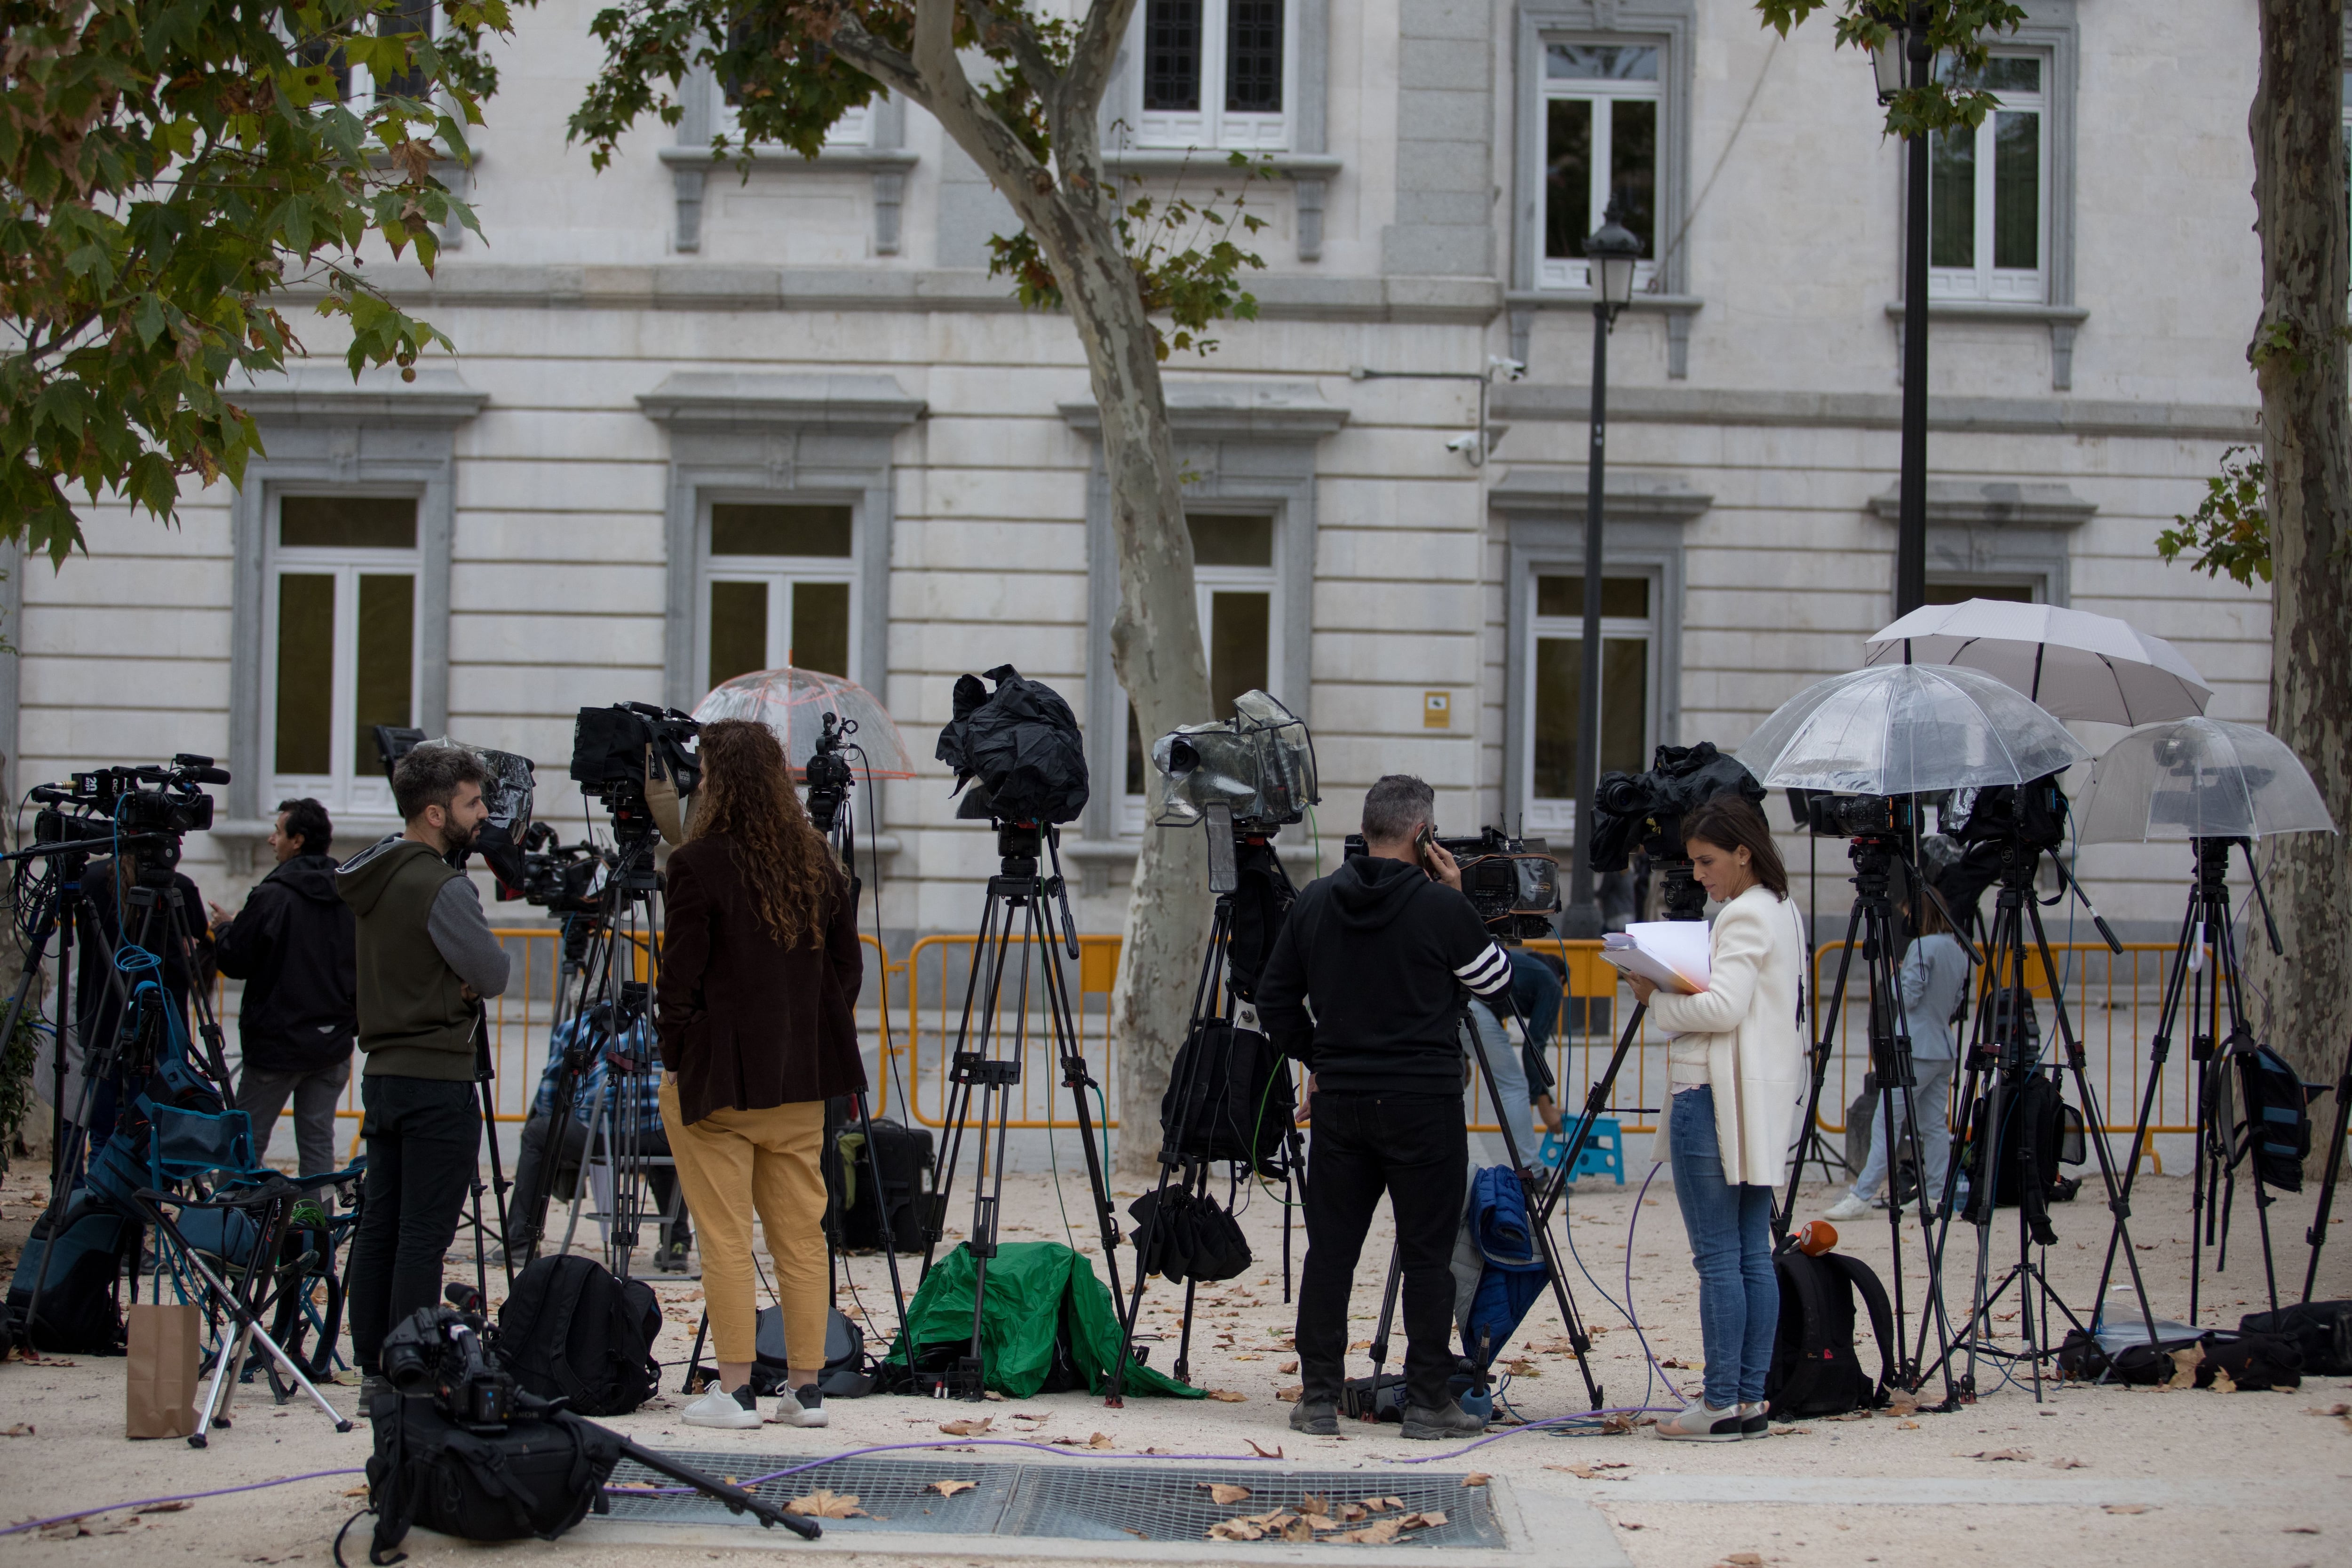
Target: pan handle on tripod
x,y
1061,891
737,1500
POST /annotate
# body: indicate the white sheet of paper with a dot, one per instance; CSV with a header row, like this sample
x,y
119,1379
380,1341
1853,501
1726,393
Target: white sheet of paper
x,y
1673,953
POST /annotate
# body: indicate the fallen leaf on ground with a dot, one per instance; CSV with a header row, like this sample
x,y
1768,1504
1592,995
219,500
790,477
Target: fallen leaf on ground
x,y
950,1488
1380,1532
968,1427
356,1492
1237,1529
1906,1425
1223,1493
1901,1403
2184,1366
1315,1503
1676,1363
1428,1519
821,1504
1990,1454
2070,1464
172,1505
1290,1395
1298,1529
991,1394
2300,1529
1744,1559
1290,1366
2126,1506
1475,1478
1617,1424
1228,1396
1273,1453
1384,1504
1850,1415
1360,1344
21,1430
1590,1472
2223,1382
2331,1410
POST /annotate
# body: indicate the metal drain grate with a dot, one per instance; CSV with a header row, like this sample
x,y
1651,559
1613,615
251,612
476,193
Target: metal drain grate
x,y
1064,1501
896,1493
1131,1503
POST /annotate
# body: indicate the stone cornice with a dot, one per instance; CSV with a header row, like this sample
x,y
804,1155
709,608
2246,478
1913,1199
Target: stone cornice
x,y
706,400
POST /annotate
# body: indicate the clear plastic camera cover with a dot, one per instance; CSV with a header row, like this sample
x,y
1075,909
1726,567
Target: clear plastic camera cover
x,y
508,792
2199,778
1260,763
1906,729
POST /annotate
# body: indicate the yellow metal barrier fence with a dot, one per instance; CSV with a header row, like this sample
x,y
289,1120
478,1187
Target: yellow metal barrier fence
x,y
2112,1001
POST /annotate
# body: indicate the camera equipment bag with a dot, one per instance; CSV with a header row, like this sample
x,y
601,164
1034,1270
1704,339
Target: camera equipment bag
x,y
844,1374
1236,1097
2322,1331
1191,1237
2040,1131
2278,1116
80,1311
570,1331
1814,1369
535,1477
904,1154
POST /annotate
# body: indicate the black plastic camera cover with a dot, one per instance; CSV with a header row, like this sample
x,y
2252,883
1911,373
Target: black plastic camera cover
x,y
1645,811
1021,743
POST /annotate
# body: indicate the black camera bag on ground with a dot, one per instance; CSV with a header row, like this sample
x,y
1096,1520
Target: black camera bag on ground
x,y
570,1331
1237,1097
535,1477
2255,1362
1814,1369
904,1154
80,1305
844,1374
2322,1331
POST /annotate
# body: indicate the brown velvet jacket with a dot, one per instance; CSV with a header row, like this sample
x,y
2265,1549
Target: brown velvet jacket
x,y
745,1022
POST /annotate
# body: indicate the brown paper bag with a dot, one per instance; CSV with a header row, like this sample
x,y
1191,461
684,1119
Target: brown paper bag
x,y
160,1394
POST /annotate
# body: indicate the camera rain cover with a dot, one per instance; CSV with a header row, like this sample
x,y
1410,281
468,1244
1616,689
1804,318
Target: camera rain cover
x,y
1260,763
1021,743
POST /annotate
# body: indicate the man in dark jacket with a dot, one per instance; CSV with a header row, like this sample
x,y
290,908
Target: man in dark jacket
x,y
291,945
1383,950
426,958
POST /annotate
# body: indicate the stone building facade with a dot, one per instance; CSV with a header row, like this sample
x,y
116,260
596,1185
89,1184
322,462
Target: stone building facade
x,y
699,418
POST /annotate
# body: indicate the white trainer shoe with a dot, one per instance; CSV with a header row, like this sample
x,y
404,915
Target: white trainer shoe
x,y
1754,1421
802,1406
721,1409
1703,1422
1851,1208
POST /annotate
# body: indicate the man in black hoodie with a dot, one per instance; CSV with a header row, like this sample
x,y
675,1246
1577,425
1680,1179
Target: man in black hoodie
x,y
291,945
1384,952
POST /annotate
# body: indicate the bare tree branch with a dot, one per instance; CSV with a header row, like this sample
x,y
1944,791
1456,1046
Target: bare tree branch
x,y
879,60
958,106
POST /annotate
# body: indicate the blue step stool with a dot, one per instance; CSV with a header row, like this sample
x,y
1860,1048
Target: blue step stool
x,y
1603,1155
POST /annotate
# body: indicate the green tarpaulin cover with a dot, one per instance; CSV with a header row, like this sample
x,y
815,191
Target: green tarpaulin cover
x,y
1036,1290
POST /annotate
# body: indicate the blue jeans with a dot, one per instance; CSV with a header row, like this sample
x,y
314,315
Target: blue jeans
x,y
1931,1092
1731,1246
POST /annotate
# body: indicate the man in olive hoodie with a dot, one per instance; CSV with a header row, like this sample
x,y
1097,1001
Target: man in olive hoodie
x,y
426,958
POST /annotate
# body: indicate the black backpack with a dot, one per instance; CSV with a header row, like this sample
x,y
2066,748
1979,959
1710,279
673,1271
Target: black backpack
x,y
2321,1330
1236,1097
905,1155
80,1309
844,1374
570,1331
1814,1369
2278,1116
535,1477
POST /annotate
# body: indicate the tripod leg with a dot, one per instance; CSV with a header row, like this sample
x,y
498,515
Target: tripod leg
x,y
2317,1235
2159,1049
1389,1293
1785,1215
498,1189
889,1231
694,1359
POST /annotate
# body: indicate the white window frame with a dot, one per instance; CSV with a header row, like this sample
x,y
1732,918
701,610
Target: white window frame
x,y
1213,125
1984,281
1574,272
1550,816
1207,582
340,789
780,572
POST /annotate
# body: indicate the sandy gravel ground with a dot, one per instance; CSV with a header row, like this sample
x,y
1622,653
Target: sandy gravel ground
x,y
2100,1477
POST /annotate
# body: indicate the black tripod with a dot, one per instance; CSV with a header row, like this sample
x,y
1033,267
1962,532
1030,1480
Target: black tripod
x,y
1875,857
1020,886
526,1223
624,930
1195,1136
2317,1232
2187,992
2002,1054
485,1075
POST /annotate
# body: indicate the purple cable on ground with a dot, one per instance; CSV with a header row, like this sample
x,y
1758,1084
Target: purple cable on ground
x,y
1649,1354
177,1496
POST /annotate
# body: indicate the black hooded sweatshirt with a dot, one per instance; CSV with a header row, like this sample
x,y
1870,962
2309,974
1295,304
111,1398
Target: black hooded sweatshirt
x,y
1383,956
293,947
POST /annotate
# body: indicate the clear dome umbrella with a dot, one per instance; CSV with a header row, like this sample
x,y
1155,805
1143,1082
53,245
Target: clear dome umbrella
x,y
2199,778
1907,729
794,703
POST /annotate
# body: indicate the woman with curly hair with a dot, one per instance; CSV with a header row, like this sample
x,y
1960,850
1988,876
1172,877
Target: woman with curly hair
x,y
760,975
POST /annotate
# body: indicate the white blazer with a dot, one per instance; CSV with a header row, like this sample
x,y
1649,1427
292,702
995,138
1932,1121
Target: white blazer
x,y
1755,1047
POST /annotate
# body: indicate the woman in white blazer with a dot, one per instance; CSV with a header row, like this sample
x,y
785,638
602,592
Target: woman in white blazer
x,y
1739,1077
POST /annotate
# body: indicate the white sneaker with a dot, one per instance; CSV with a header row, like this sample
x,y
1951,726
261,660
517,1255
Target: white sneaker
x,y
1703,1422
1754,1421
802,1406
1851,1208
720,1408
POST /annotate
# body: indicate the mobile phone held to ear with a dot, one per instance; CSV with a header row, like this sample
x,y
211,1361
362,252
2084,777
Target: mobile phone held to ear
x,y
1424,843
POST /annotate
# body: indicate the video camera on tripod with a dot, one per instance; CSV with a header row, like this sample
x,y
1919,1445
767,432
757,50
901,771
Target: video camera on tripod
x,y
639,761
105,804
1514,883
1645,811
508,786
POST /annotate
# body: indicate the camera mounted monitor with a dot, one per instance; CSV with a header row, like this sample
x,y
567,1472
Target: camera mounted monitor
x,y
1514,883
1018,750
507,790
1260,763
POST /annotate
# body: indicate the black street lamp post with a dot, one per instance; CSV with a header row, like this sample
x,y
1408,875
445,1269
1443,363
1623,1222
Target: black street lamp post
x,y
1610,253
1904,59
